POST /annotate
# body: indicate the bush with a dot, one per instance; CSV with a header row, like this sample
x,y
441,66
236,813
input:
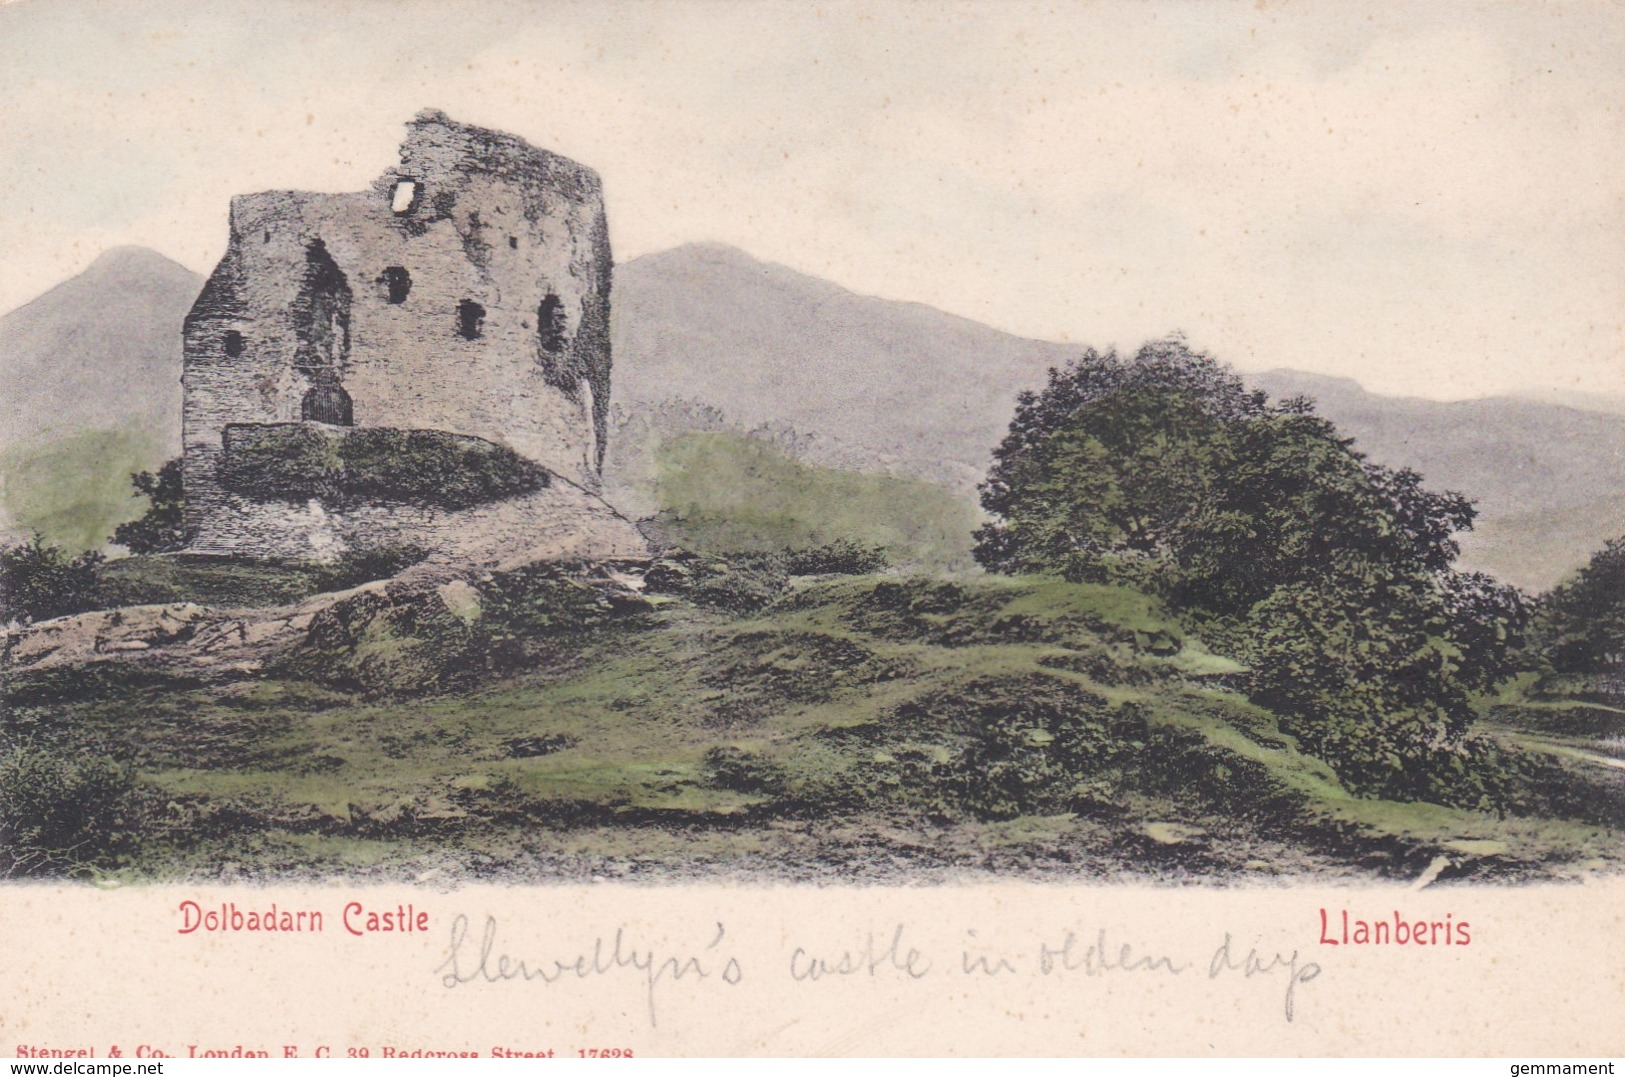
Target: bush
x,y
1580,627
841,557
1000,747
407,639
63,814
718,493
162,529
38,582
355,567
744,771
373,464
743,583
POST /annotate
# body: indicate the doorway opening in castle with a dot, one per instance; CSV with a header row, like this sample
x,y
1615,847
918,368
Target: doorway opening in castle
x,y
327,402
551,325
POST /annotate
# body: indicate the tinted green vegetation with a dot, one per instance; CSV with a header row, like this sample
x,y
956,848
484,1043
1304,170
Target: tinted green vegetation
x,y
162,528
871,726
1329,577
75,490
38,582
779,699
722,492
230,582
358,464
1571,703
1580,626
63,811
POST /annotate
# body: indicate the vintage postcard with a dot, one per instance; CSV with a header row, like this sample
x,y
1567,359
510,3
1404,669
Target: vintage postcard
x,y
605,529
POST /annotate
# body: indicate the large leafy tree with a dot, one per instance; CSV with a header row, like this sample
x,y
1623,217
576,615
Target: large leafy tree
x,y
1581,626
1329,575
162,528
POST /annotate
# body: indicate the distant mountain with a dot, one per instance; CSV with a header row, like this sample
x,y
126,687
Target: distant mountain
x,y
873,381
1513,455
1613,403
1549,479
99,351
707,337
90,391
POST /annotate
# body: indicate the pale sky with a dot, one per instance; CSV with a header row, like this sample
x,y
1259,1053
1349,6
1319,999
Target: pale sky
x,y
1426,196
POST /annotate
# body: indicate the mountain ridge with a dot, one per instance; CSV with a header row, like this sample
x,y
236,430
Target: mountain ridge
x,y
850,380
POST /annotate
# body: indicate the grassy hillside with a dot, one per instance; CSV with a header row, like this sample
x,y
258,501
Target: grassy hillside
x,y
75,489
720,492
868,727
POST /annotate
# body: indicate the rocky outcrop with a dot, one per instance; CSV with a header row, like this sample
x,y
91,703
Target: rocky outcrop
x,y
417,631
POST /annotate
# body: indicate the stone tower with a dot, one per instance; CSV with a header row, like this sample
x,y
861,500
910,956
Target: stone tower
x,y
466,292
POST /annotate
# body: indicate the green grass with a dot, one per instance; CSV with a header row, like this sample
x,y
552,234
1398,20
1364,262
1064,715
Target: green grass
x,y
209,581
721,492
846,728
75,490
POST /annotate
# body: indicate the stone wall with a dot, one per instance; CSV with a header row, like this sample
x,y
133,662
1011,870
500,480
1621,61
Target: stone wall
x,y
560,523
467,291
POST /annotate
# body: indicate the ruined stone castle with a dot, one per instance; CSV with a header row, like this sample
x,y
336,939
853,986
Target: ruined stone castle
x,y
426,362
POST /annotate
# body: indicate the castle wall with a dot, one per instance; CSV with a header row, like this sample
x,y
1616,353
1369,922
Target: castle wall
x,y
561,522
492,222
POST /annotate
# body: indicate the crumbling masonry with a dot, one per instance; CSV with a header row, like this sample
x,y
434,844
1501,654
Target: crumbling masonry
x,y
466,292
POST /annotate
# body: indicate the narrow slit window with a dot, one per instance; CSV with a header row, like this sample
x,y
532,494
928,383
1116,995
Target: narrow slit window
x,y
513,242
552,327
234,343
469,316
405,196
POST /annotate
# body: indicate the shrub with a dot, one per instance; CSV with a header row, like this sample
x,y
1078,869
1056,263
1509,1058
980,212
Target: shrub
x,y
1581,623
38,582
162,528
841,557
744,771
743,583
355,567
1329,576
373,464
63,814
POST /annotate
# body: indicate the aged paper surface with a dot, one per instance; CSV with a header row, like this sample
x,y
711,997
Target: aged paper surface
x,y
688,722
1539,980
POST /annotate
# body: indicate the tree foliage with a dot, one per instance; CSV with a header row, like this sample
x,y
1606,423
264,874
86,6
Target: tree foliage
x,y
1581,623
1328,575
162,528
38,581
62,812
